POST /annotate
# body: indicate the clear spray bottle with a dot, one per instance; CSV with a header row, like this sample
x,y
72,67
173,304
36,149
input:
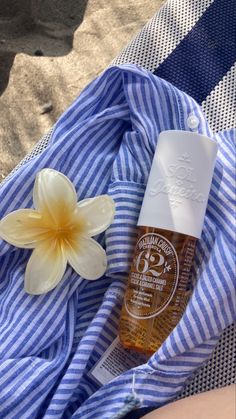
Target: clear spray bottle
x,y
170,222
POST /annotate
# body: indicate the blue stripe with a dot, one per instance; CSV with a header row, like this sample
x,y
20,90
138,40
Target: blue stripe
x,y
206,53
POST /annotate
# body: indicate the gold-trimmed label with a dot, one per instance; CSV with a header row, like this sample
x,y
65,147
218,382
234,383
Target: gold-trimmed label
x,y
153,277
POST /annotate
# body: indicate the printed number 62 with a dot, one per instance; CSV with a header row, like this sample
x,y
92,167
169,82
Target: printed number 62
x,y
150,263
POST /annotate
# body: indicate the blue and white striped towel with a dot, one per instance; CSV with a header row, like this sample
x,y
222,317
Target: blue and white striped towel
x,y
105,143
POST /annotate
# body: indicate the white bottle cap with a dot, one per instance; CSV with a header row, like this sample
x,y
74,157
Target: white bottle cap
x,y
179,183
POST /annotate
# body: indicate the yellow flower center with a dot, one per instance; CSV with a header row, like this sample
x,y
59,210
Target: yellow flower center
x,y
64,234
61,227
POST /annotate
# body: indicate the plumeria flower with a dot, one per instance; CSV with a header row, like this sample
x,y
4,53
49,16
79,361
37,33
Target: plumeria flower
x,y
59,230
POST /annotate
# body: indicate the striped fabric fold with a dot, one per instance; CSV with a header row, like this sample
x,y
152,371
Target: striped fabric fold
x,y
48,344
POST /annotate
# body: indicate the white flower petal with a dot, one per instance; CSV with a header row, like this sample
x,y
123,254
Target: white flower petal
x,y
22,228
45,268
97,214
87,258
54,195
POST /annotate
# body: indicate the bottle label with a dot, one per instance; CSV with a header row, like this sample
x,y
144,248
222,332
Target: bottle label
x,y
153,277
115,361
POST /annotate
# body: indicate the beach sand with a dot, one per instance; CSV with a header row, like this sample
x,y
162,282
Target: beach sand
x,y
49,51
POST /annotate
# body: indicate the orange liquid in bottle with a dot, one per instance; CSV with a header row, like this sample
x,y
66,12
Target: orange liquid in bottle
x,y
159,287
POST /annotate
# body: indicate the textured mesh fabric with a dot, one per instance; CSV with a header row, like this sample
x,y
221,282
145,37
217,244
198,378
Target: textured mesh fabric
x,y
162,33
219,106
40,146
220,369
149,49
203,57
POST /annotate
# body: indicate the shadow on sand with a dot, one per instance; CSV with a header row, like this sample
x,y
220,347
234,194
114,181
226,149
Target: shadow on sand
x,y
25,25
